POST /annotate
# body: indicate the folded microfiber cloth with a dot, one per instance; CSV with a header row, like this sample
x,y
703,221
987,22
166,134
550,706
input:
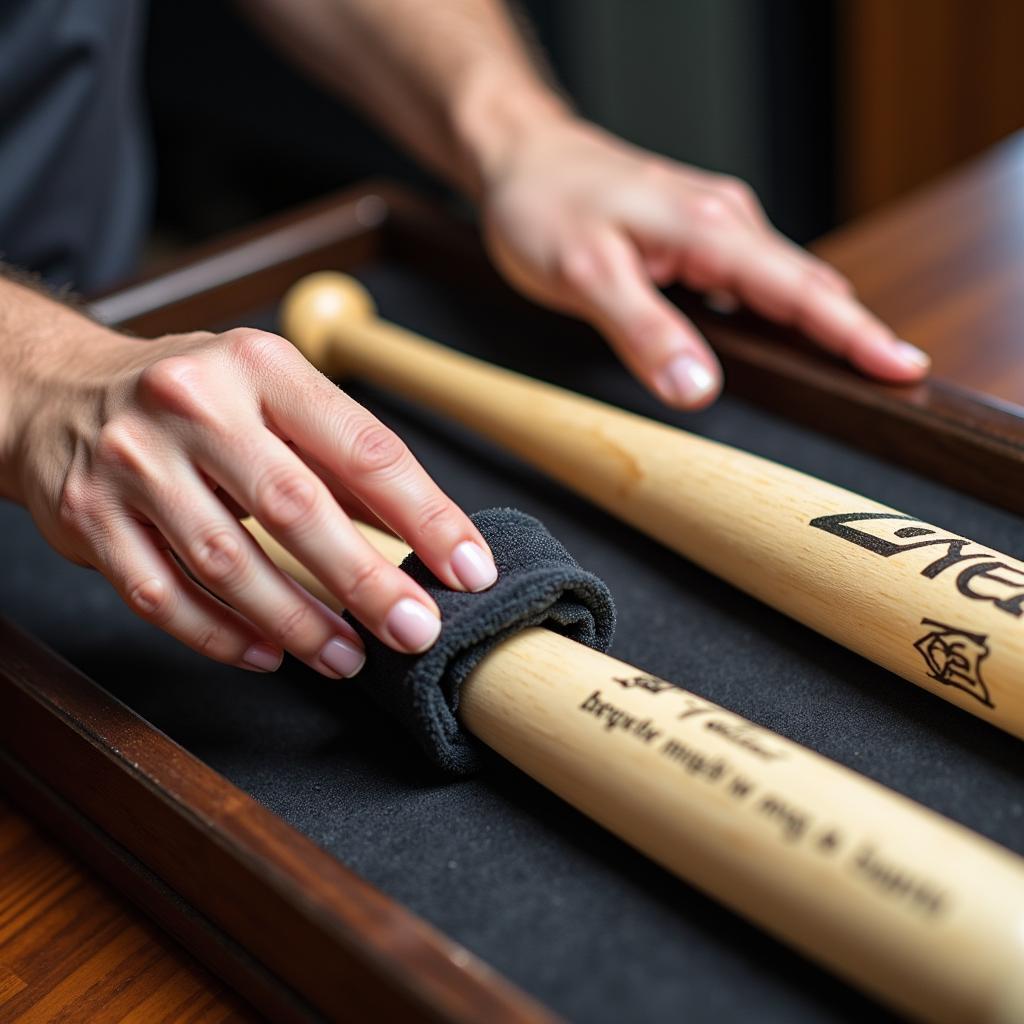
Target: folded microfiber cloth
x,y
539,584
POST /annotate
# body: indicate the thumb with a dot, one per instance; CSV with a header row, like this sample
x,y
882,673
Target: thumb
x,y
612,290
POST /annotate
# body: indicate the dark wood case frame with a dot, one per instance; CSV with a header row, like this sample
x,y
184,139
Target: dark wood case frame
x,y
280,920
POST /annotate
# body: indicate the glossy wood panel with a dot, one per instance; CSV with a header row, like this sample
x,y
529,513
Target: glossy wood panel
x,y
945,267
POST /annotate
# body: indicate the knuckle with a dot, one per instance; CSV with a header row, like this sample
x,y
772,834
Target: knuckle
x,y
435,515
120,445
578,268
800,295
177,384
736,190
285,498
711,210
210,641
219,557
75,505
258,351
151,599
787,306
293,627
364,579
376,450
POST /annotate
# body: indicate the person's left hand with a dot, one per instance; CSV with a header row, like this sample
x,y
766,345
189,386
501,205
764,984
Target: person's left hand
x,y
590,225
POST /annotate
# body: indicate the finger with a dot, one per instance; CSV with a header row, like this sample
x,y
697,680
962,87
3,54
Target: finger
x,y
830,277
223,557
721,300
660,263
743,199
267,479
720,253
662,348
352,506
825,272
779,286
696,223
153,585
378,469
720,250
733,191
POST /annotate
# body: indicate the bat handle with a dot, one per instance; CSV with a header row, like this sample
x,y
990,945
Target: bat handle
x,y
332,320
315,307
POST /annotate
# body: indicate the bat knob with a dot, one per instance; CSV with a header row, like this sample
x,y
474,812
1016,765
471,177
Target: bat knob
x,y
316,306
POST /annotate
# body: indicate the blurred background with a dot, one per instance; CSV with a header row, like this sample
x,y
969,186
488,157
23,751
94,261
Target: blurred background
x,y
829,108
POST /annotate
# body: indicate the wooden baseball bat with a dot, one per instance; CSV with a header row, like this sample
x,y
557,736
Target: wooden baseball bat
x,y
907,905
930,605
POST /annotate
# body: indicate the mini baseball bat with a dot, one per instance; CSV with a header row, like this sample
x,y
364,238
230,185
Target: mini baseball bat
x,y
930,605
901,902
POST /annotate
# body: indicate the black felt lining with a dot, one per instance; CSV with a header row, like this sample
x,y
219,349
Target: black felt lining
x,y
560,906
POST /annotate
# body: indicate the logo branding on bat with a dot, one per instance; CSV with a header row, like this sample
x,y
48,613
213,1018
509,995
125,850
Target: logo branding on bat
x,y
651,683
980,575
954,656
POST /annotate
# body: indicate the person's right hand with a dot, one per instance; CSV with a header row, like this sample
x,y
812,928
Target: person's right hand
x,y
137,457
592,226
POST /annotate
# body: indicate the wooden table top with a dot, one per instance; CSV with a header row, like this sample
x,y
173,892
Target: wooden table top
x,y
945,267
71,949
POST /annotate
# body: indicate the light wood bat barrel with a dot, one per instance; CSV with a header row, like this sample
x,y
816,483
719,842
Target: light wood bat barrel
x,y
930,605
901,902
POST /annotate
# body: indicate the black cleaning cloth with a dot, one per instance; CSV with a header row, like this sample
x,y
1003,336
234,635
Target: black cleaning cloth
x,y
539,584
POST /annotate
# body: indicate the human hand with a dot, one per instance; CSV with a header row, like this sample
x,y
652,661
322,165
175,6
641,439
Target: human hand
x,y
137,457
590,225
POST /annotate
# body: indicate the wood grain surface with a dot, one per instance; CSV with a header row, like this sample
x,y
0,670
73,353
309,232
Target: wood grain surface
x,y
72,950
944,267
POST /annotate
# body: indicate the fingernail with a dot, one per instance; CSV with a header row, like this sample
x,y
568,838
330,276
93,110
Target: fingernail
x,y
343,656
473,566
912,354
686,380
263,658
412,625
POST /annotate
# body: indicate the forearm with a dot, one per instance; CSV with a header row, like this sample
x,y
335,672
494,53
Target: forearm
x,y
452,80
39,337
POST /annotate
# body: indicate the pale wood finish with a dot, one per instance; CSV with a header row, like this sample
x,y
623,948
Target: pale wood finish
x,y
915,909
739,516
71,950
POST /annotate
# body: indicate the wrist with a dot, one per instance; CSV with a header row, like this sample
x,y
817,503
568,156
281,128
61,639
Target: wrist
x,y
8,490
495,116
45,356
